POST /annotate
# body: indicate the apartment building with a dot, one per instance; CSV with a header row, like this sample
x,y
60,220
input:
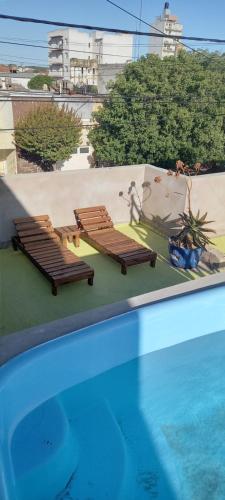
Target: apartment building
x,y
75,56
169,24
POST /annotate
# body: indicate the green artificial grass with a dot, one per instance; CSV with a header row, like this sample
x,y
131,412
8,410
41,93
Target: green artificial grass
x,y
25,295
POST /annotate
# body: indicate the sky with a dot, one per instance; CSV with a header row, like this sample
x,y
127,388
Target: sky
x,y
199,17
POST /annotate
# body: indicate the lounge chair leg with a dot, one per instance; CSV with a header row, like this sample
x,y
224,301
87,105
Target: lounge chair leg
x,y
54,289
123,269
91,281
153,260
14,244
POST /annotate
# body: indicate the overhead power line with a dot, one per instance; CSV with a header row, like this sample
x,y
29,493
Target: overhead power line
x,y
159,31
188,99
48,47
145,22
111,30
11,57
48,127
96,125
106,44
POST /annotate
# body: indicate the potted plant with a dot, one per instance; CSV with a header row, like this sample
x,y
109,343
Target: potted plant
x,y
187,246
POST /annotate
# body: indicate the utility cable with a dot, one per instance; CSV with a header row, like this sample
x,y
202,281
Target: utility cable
x,y
150,25
60,49
111,30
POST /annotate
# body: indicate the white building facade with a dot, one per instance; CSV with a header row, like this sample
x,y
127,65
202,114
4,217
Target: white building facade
x,y
74,55
82,157
170,25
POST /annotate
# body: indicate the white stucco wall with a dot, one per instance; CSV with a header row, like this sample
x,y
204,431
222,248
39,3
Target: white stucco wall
x,y
6,122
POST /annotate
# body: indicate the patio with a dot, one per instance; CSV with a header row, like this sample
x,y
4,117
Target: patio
x,y
26,298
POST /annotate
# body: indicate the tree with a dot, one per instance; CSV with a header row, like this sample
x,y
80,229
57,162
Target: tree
x,y
48,134
160,110
38,81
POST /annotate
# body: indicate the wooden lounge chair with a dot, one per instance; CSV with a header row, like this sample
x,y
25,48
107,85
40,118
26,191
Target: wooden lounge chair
x,y
38,241
97,229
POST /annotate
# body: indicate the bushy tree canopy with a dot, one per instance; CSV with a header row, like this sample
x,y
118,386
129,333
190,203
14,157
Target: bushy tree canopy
x,y
48,133
38,81
161,110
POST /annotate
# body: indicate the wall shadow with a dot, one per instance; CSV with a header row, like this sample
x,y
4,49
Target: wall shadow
x,y
135,201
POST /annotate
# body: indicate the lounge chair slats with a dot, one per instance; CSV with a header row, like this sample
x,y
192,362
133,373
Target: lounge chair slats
x,y
69,270
39,245
122,248
93,226
61,258
33,225
27,220
45,252
34,232
58,265
38,241
97,229
97,209
38,237
94,218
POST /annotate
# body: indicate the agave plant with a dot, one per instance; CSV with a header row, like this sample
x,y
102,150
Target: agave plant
x,y
193,231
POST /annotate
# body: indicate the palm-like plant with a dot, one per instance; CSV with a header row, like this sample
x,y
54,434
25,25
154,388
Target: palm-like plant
x,y
193,231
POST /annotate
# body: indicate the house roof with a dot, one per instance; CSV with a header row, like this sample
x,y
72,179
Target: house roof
x,y
4,68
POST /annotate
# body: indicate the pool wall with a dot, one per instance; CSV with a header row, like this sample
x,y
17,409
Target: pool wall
x,y
39,374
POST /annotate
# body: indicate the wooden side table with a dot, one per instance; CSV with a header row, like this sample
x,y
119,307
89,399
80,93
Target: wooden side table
x,y
69,233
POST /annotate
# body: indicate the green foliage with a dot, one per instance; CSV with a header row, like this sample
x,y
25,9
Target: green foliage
x,y
38,81
91,89
193,231
161,110
49,133
86,89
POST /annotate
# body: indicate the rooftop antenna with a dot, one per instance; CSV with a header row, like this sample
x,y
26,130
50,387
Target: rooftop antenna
x,y
166,11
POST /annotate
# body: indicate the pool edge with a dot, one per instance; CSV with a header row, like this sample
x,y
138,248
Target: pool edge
x,y
16,343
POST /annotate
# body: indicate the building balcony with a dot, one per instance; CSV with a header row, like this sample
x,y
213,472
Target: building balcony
x,y
55,59
55,42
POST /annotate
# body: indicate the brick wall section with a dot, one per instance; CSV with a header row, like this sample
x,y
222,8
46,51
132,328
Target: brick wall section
x,y
26,167
22,108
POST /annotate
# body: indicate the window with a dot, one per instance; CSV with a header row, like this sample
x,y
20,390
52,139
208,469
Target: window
x,y
75,151
84,150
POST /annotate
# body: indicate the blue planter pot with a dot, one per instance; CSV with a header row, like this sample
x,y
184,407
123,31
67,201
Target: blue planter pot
x,y
184,257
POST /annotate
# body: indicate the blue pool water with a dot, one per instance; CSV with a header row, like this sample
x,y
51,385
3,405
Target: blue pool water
x,y
132,408
151,428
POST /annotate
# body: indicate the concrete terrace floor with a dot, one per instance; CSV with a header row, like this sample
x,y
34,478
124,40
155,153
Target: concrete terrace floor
x,y
25,295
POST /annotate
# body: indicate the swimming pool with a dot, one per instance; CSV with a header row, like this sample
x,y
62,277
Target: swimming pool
x,y
130,408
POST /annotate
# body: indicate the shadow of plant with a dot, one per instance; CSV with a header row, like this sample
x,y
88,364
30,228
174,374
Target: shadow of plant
x,y
135,201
